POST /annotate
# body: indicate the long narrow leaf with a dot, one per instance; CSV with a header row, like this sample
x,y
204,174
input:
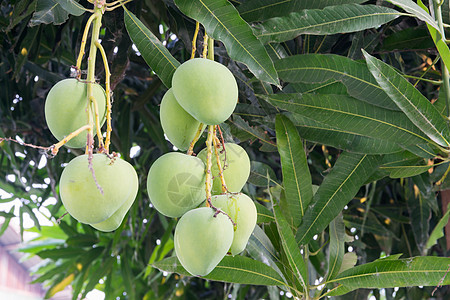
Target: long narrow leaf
x,y
222,22
336,249
237,269
296,176
257,10
291,248
318,68
344,139
351,115
152,50
411,7
414,271
338,188
330,20
418,109
438,230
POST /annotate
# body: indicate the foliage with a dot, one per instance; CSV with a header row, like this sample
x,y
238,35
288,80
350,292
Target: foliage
x,y
342,109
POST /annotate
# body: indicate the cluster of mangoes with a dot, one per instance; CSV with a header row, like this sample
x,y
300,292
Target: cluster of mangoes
x,y
98,193
203,92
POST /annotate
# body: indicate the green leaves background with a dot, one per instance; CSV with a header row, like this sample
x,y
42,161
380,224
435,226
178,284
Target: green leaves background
x,y
321,120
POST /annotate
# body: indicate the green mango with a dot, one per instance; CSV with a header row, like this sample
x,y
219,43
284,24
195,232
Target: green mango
x,y
236,171
179,126
242,211
206,89
176,183
202,239
81,196
65,110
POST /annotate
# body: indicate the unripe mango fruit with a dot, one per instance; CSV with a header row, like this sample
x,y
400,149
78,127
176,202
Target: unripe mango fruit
x,y
176,183
242,211
65,109
236,171
81,196
206,89
179,126
202,240
113,222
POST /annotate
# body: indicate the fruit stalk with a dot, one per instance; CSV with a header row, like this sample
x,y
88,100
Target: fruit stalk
x,y
194,39
208,182
83,43
55,147
108,97
97,23
219,165
196,137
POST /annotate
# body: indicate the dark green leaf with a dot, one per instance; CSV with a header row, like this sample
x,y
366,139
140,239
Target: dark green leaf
x,y
336,249
419,214
418,109
291,248
438,230
261,174
7,221
237,269
352,115
414,271
336,190
315,131
245,131
264,215
319,68
257,10
330,20
152,50
402,171
72,7
296,176
409,38
49,11
61,253
222,22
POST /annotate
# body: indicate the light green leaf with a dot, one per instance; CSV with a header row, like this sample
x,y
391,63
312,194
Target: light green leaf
x,y
414,271
336,190
412,8
403,171
319,68
72,7
257,10
49,11
418,109
349,261
296,176
237,269
438,231
222,22
152,50
291,248
336,250
330,20
441,45
7,221
315,131
351,115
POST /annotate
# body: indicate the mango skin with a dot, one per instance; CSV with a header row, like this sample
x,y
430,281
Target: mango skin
x,y
242,211
80,195
179,126
176,183
206,89
65,110
237,172
202,240
114,221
